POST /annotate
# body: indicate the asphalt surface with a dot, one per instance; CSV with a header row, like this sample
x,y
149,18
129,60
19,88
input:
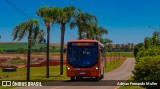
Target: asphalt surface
x,y
109,81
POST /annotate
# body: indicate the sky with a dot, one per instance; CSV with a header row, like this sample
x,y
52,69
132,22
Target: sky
x,y
127,21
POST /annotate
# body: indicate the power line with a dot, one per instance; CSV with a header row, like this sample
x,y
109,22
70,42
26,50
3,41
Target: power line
x,y
31,17
20,10
71,34
17,9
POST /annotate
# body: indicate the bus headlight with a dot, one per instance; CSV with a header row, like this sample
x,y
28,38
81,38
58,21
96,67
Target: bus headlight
x,y
96,68
68,68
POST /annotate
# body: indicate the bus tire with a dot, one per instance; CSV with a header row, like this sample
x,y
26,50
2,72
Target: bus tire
x,y
98,78
102,76
79,78
72,78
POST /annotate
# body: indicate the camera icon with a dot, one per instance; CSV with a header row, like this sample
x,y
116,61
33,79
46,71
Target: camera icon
x,y
6,83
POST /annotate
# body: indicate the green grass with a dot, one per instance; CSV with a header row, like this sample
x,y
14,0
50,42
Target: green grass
x,y
6,87
122,54
36,73
15,46
112,65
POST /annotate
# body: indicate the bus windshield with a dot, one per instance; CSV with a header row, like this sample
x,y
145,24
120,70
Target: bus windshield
x,y
82,56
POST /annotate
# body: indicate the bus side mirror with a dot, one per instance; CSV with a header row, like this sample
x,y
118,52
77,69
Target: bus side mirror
x,y
102,50
64,51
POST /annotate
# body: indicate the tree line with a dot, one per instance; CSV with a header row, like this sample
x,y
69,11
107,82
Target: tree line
x,y
24,51
119,47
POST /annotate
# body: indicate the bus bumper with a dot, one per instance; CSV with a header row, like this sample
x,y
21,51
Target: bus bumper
x,y
83,73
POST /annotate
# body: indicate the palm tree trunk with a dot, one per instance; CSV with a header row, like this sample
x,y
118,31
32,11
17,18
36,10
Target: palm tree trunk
x,y
80,33
28,60
62,46
47,56
88,35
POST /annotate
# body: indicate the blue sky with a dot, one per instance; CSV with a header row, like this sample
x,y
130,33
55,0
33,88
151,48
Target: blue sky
x,y
126,20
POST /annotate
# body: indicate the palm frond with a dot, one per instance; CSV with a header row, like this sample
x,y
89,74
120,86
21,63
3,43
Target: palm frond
x,y
40,37
29,28
73,24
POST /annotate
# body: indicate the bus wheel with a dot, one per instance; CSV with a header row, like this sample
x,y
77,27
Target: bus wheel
x,y
102,76
98,78
72,78
79,78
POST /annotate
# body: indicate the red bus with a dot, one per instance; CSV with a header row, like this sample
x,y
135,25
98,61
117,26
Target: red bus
x,y
84,58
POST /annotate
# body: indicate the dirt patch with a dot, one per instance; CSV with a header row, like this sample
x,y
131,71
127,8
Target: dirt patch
x,y
51,63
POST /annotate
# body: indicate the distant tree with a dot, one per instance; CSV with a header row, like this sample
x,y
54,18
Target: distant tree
x,y
108,42
132,46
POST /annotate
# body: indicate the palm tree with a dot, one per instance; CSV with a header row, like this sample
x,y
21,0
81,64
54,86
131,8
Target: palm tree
x,y
91,30
49,15
65,16
96,32
31,29
101,31
82,21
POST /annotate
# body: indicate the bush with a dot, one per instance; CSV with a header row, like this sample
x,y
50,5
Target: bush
x,y
147,69
21,50
2,52
152,51
137,48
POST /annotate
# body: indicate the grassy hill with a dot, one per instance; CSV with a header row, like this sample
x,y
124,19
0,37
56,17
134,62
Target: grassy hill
x,y
15,46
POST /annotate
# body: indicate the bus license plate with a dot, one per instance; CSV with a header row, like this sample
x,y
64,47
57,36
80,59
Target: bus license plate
x,y
82,73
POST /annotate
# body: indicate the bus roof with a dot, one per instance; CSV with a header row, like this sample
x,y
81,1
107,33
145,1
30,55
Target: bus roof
x,y
87,40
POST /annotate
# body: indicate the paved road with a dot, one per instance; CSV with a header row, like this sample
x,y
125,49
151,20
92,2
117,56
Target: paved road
x,y
122,73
